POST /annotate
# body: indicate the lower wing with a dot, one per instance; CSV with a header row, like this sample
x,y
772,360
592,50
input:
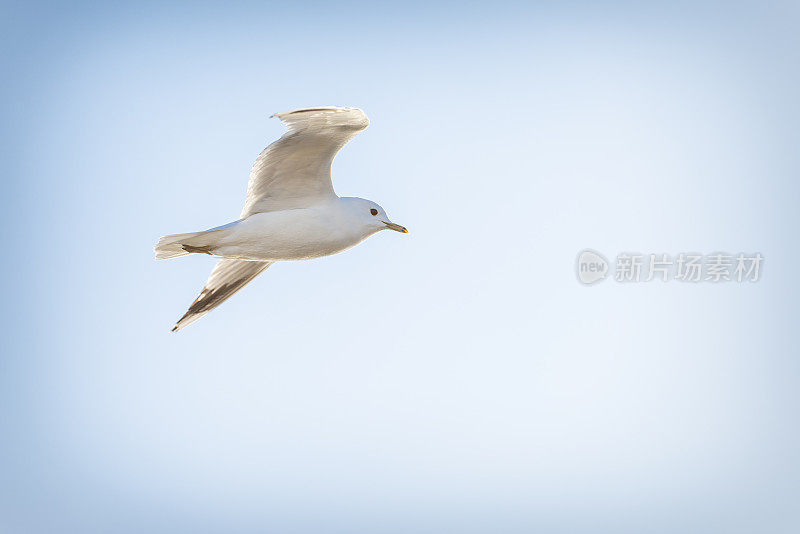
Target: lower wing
x,y
228,277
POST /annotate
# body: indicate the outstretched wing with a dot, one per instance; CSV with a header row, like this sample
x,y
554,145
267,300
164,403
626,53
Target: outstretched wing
x,y
228,277
295,170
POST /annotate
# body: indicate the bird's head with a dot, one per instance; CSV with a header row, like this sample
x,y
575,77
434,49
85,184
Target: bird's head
x,y
372,215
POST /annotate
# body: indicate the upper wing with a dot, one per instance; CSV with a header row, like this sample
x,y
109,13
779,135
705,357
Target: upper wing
x,y
295,170
228,277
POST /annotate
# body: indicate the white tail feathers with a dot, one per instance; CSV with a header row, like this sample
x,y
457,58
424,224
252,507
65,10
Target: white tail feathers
x,y
175,245
172,246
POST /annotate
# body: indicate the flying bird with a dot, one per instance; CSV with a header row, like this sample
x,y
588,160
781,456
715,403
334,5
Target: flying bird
x,y
291,211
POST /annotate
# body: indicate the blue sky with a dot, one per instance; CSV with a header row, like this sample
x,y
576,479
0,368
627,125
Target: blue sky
x,y
458,379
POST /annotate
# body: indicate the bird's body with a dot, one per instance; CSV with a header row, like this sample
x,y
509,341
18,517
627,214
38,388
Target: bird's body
x,y
320,230
291,212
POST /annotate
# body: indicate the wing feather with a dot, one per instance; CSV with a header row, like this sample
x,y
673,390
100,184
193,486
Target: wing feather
x,y
295,171
227,277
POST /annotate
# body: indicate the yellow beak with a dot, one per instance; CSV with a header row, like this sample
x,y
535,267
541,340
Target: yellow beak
x,y
395,227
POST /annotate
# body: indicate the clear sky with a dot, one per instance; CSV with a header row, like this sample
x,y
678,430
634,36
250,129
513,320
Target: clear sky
x,y
456,379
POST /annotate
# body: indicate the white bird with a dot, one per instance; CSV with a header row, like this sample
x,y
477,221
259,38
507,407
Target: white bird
x,y
291,211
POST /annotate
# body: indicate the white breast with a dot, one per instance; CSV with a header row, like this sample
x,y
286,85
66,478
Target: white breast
x,y
297,234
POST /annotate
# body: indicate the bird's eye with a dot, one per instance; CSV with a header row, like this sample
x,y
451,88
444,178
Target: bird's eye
x,y
373,211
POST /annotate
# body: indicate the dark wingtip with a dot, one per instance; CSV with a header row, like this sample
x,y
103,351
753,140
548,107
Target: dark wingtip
x,y
174,328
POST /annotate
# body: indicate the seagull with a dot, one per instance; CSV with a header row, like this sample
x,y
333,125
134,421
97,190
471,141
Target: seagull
x,y
291,211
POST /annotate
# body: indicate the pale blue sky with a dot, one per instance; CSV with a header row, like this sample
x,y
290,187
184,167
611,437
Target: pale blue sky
x,y
458,379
